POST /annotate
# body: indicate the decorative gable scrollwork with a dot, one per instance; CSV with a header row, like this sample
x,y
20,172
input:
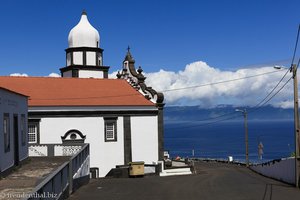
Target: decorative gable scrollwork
x,y
137,80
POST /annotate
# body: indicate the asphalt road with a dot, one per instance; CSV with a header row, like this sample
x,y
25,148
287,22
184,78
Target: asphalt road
x,y
213,181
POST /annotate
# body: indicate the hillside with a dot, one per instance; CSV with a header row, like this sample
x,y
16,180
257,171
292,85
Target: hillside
x,y
195,113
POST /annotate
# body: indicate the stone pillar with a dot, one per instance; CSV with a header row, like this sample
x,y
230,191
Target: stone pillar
x,y
160,118
127,140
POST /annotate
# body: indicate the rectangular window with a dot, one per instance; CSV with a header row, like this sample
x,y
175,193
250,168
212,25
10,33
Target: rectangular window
x,y
6,132
23,131
110,129
32,133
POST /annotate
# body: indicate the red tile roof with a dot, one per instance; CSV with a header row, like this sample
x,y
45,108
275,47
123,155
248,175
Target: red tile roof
x,y
46,91
2,88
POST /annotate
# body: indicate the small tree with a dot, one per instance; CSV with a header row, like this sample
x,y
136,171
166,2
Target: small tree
x,y
293,154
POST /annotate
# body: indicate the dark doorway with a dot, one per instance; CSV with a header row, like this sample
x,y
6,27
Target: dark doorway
x,y
16,140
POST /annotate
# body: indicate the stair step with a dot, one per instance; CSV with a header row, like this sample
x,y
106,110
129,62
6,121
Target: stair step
x,y
173,172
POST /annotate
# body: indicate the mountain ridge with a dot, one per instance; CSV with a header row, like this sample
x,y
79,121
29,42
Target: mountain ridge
x,y
196,113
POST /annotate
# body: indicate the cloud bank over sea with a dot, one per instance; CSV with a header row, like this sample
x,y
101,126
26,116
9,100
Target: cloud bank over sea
x,y
206,86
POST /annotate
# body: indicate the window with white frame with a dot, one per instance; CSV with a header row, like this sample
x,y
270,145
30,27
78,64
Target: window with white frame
x,y
6,132
32,133
110,129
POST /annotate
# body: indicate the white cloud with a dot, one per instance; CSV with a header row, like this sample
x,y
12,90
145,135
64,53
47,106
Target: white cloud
x,y
244,92
113,75
54,75
285,104
18,74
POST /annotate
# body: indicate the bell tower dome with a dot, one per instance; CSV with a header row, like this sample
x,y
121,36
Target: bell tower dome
x,y
84,34
84,57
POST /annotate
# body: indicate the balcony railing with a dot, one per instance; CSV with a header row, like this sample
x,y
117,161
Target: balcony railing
x,y
53,149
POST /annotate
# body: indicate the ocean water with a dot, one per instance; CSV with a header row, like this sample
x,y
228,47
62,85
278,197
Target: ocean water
x,y
225,139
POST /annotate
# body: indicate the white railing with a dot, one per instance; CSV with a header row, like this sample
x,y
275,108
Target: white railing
x,y
37,150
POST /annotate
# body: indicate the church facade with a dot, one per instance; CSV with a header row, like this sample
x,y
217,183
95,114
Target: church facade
x,y
121,118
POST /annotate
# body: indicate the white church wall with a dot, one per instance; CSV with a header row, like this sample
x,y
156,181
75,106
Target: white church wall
x,y
91,58
89,74
144,139
104,155
111,153
78,58
12,104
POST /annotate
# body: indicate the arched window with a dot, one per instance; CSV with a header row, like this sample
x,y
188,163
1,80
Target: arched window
x,y
73,136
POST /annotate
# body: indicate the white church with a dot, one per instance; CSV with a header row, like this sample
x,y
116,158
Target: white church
x,y
121,118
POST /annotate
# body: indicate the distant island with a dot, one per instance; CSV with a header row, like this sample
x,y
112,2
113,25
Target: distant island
x,y
194,113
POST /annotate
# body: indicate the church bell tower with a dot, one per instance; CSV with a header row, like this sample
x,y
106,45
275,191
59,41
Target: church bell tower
x,y
84,57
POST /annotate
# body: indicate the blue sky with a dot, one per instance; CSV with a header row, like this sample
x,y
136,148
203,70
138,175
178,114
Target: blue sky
x,y
162,34
179,44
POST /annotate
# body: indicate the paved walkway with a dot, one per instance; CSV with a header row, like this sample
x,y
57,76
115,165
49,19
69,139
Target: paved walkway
x,y
213,181
25,178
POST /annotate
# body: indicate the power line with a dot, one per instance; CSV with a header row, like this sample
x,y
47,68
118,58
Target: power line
x,y
261,102
289,70
235,114
211,118
265,100
220,82
256,108
264,64
176,89
209,123
296,45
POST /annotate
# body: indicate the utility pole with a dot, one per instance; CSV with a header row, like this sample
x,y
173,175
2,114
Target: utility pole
x,y
296,119
293,69
246,133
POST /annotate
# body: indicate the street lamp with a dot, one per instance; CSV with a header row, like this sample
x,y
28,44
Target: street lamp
x,y
246,134
293,69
